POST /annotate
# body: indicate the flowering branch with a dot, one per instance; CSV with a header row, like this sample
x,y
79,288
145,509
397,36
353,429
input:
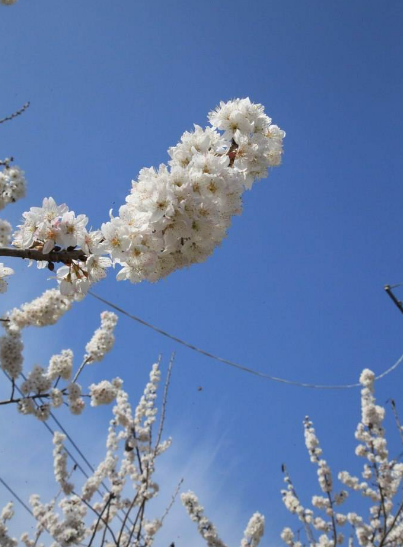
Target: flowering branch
x,y
174,216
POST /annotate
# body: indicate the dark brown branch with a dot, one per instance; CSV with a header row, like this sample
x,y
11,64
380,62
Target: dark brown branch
x,y
16,113
126,517
54,256
397,302
10,401
100,518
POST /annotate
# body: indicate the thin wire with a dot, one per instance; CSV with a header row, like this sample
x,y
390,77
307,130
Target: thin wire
x,y
16,497
237,365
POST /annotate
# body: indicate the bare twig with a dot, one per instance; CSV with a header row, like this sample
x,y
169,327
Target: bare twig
x,y
99,515
105,529
16,113
397,420
126,517
174,496
164,402
81,367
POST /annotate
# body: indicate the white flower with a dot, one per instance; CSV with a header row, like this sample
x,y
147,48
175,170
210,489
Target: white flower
x,y
71,229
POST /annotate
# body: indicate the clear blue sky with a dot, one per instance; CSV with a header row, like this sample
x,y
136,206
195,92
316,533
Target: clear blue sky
x,y
296,290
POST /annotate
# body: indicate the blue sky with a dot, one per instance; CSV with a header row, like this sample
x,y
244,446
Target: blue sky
x,y
295,291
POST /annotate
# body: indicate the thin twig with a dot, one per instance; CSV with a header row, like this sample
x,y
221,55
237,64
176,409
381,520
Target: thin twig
x,y
126,517
164,401
174,496
391,526
10,401
105,529
135,522
86,361
99,516
16,113
397,420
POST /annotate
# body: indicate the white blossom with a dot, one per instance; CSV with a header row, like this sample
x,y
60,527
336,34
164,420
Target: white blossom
x,y
12,179
60,463
103,393
254,531
61,365
103,338
4,272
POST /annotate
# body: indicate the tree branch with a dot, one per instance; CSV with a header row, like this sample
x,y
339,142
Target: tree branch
x,y
64,256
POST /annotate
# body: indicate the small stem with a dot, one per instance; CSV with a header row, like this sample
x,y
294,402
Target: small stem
x,y
174,495
126,517
391,526
87,360
105,529
99,515
164,402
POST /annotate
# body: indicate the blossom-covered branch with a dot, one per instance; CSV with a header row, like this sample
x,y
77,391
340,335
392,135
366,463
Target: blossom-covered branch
x,y
383,479
174,216
39,389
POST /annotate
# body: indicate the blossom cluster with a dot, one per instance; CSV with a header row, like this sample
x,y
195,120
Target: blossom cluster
x,y
44,310
6,514
383,479
4,273
205,527
103,338
54,227
12,179
175,215
40,387
252,535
